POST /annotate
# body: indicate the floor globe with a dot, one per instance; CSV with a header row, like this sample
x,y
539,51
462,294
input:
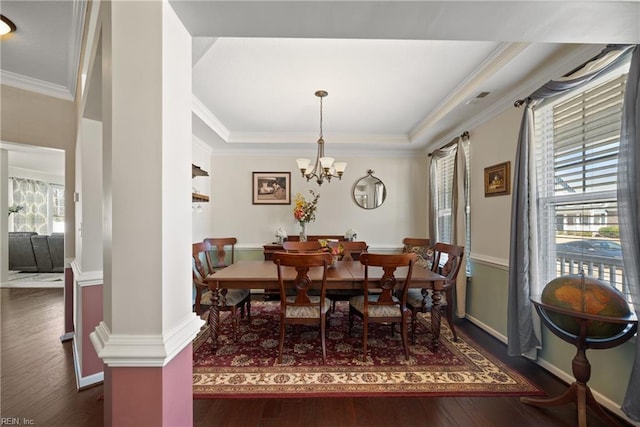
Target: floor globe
x,y
589,295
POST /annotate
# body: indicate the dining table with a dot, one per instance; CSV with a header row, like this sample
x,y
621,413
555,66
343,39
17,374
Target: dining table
x,y
249,274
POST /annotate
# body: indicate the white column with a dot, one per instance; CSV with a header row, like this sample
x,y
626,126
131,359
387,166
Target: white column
x,y
146,108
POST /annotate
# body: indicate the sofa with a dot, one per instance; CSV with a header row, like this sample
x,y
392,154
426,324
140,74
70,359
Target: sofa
x,y
30,252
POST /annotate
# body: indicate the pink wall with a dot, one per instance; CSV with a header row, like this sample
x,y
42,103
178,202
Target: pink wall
x,y
91,317
150,396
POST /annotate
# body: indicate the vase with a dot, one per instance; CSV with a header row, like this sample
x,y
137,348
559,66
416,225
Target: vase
x,y
303,231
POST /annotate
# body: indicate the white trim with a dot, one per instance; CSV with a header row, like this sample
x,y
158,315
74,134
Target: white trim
x,y
498,59
490,261
84,382
558,68
34,85
200,110
305,138
86,278
67,336
488,329
151,350
201,144
75,43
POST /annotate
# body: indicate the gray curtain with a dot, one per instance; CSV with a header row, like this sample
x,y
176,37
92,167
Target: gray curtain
x,y
629,212
520,325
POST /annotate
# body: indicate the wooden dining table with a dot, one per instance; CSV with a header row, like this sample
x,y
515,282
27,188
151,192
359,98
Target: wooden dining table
x,y
345,275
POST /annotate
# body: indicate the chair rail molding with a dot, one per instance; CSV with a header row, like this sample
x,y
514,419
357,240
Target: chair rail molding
x,y
490,261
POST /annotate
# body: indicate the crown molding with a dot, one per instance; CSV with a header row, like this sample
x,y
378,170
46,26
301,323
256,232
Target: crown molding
x,y
559,67
504,54
306,138
75,43
200,110
35,85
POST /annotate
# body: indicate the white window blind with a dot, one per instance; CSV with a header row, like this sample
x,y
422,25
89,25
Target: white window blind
x,y
444,198
577,144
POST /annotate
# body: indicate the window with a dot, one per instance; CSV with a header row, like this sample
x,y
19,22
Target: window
x,y
443,199
443,169
42,206
576,151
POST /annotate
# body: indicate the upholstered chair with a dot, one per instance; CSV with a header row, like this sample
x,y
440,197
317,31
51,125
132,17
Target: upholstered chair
x,y
387,306
447,262
300,307
421,247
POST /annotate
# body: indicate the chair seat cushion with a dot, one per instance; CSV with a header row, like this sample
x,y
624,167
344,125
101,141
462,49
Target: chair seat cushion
x,y
376,310
306,312
233,297
414,298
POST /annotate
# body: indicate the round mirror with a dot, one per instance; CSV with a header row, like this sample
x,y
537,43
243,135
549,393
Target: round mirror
x,y
369,192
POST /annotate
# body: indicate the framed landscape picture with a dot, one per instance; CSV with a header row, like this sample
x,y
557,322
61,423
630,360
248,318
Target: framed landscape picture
x,y
271,188
496,179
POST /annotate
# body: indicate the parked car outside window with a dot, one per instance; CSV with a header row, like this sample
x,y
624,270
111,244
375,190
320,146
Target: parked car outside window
x,y
605,248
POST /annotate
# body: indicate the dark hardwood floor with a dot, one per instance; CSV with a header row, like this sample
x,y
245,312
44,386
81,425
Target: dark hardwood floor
x,y
38,384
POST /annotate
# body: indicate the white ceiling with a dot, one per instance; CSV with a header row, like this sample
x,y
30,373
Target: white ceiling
x,y
401,75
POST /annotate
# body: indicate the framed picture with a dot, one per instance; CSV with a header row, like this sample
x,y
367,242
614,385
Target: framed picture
x,y
497,179
271,188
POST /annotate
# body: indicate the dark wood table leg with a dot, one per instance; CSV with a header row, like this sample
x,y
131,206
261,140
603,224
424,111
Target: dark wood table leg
x,y
214,316
436,316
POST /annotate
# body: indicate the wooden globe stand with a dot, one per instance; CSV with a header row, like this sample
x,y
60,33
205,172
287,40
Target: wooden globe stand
x,y
579,392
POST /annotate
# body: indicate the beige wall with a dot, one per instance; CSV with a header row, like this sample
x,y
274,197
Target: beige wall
x,y
44,121
402,214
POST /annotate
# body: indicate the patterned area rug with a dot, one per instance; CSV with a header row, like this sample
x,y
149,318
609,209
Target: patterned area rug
x,y
248,367
17,279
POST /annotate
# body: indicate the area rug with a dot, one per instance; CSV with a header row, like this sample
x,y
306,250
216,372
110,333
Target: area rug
x,y
248,367
16,279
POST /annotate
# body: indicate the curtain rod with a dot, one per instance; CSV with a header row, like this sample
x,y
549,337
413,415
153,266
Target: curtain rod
x,y
450,143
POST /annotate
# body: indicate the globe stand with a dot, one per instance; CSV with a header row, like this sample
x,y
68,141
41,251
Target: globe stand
x,y
579,392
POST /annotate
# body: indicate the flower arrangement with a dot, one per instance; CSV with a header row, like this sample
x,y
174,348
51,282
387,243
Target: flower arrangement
x,y
305,211
281,235
351,234
15,209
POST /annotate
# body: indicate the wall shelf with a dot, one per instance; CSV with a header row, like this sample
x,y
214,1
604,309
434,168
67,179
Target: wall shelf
x,y
196,171
195,197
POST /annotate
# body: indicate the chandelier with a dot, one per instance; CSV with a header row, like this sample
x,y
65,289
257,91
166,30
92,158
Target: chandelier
x,y
324,167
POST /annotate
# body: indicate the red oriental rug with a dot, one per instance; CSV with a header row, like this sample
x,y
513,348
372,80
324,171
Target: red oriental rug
x,y
249,368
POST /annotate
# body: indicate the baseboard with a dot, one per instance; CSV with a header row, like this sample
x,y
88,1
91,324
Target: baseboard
x,y
84,382
554,370
67,336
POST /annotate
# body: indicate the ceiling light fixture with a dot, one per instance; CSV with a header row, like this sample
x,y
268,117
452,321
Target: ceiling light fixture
x,y
6,26
324,166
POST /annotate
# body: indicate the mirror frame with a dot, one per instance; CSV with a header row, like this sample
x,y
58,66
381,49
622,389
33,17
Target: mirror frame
x,y
370,180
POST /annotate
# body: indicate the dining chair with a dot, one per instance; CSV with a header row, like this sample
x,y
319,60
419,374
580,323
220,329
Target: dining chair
x,y
420,246
229,299
447,262
301,307
351,251
308,246
217,255
385,306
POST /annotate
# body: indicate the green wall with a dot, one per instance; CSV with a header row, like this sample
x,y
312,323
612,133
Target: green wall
x,y
487,304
